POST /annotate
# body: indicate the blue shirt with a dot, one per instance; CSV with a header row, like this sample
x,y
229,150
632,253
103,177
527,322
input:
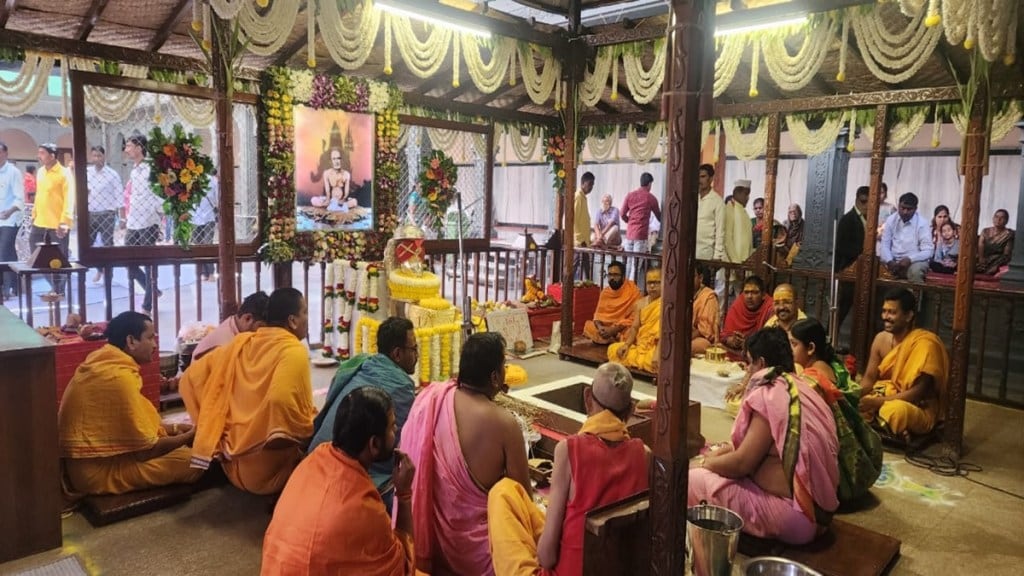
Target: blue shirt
x,y
12,194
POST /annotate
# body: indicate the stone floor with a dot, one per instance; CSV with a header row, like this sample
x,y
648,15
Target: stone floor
x,y
948,525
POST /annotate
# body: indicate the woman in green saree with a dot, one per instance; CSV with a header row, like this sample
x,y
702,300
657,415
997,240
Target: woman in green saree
x,y
860,448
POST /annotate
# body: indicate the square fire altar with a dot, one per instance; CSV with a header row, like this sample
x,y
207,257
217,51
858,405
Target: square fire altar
x,y
562,411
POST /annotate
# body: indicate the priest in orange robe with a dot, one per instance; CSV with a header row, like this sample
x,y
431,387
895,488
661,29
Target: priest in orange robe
x,y
330,518
615,308
252,399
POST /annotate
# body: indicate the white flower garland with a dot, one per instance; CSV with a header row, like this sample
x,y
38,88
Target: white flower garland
x,y
524,150
422,57
487,77
814,142
227,9
903,52
442,139
728,61
349,39
1002,123
198,113
538,86
268,32
593,85
435,357
602,148
901,133
22,93
794,72
642,152
644,85
746,146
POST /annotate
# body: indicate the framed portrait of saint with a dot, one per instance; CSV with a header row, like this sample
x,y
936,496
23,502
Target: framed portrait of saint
x,y
334,156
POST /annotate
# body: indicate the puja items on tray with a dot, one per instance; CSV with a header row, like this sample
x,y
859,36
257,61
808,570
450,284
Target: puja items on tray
x,y
73,330
715,354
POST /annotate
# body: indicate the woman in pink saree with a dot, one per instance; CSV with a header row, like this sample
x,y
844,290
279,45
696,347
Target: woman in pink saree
x,y
780,472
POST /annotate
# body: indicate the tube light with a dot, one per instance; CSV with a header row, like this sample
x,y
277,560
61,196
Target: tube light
x,y
402,10
761,26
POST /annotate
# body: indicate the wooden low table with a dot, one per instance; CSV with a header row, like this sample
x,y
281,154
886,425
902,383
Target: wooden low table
x,y
845,550
25,274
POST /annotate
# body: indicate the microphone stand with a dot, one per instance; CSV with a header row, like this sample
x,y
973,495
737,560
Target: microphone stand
x,y
833,305
467,308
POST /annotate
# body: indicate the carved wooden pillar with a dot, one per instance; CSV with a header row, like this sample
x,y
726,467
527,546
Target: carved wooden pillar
x,y
867,264
689,34
826,194
575,60
226,170
771,175
975,164
1016,272
282,272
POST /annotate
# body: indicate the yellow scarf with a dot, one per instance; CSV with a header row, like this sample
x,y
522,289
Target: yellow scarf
x,y
606,426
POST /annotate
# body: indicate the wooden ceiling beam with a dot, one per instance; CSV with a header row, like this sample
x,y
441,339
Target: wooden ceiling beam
x,y
486,98
38,42
619,119
6,9
470,109
167,28
517,29
91,18
840,101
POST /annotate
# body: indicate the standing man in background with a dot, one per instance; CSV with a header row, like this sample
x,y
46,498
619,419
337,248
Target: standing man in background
x,y
12,204
145,211
636,213
711,225
105,197
54,210
205,223
581,226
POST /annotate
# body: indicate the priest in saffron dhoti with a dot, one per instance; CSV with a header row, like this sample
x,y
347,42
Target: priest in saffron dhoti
x,y
639,349
111,438
615,307
252,399
705,312
597,466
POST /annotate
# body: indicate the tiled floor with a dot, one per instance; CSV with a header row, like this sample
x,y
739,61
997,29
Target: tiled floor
x,y
948,525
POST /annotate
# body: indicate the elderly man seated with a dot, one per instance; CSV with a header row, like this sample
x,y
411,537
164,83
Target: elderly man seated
x,y
904,387
330,518
597,466
251,315
639,349
111,438
389,370
746,315
252,399
786,310
462,443
614,312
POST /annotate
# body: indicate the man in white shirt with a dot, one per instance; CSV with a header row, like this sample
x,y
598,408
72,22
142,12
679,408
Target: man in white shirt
x,y
711,225
739,241
145,210
204,222
907,244
12,206
106,197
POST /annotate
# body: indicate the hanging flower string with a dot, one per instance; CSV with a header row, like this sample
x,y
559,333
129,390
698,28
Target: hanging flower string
x,y
179,174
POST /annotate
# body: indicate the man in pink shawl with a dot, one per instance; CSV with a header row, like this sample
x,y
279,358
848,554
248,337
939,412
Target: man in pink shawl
x,y
780,473
462,444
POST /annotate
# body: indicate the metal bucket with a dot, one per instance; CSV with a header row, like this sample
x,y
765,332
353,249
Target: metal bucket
x,y
713,533
773,566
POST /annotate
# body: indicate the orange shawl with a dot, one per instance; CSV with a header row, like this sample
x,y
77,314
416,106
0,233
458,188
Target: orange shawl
x,y
103,412
616,306
921,352
257,389
705,314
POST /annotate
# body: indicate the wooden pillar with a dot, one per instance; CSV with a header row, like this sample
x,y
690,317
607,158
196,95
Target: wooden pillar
x,y
222,85
573,70
282,272
975,165
1016,273
823,203
867,263
771,176
689,34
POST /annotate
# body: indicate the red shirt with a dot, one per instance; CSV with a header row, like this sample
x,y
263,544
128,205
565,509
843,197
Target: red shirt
x,y
636,213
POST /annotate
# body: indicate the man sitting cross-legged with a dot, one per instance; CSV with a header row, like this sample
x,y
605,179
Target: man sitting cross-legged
x,y
786,310
388,370
614,312
251,315
905,383
705,312
252,399
330,518
111,438
639,349
462,443
599,465
746,315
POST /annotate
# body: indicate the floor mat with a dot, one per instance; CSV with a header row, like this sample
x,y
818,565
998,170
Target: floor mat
x,y
845,550
66,566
